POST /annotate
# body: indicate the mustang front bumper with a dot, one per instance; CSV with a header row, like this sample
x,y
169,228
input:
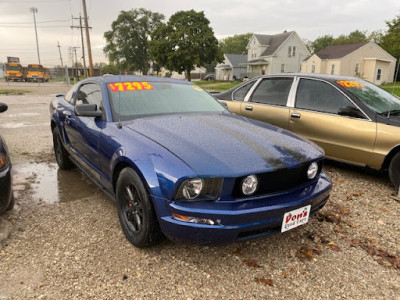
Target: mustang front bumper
x,y
242,219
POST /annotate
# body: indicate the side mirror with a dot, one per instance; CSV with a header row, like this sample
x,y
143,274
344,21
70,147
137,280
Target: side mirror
x,y
3,107
87,110
350,111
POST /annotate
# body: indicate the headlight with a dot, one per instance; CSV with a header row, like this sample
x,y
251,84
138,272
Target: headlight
x,y
249,185
192,188
312,170
199,189
3,161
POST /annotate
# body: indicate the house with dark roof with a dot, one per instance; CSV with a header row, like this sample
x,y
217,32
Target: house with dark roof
x,y
232,68
279,53
366,60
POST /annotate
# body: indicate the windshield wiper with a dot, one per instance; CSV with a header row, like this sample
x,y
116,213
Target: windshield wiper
x,y
390,113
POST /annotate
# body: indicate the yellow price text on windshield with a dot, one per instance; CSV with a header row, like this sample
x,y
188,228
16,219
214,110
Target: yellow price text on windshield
x,y
350,84
130,86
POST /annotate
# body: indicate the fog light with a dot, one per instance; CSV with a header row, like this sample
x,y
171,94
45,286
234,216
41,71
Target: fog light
x,y
312,170
249,185
195,220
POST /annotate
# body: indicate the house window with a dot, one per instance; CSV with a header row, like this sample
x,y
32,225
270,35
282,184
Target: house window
x,y
291,51
253,53
379,74
313,69
357,70
332,69
282,68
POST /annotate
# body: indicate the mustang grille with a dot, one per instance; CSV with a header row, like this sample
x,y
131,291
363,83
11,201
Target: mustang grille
x,y
277,181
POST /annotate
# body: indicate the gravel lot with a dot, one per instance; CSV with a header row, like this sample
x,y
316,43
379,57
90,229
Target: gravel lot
x,y
63,239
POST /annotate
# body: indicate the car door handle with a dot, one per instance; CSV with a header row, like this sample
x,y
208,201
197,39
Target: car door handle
x,y
249,108
295,116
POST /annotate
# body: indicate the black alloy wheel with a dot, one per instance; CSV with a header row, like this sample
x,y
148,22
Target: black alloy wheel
x,y
135,210
60,153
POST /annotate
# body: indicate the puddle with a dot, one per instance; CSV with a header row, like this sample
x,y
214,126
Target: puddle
x,y
15,125
53,185
23,115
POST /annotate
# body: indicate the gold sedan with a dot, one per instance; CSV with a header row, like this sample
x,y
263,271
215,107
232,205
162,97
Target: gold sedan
x,y
353,120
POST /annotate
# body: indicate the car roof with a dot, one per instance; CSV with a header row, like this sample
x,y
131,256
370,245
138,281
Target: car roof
x,y
132,78
311,75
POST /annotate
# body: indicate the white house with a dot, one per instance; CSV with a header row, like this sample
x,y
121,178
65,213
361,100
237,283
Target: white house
x,y
279,53
366,60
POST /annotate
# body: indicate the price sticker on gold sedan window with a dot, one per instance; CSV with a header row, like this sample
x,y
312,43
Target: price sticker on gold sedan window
x,y
350,84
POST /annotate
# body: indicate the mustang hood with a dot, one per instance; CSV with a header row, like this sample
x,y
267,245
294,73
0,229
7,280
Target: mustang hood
x,y
218,145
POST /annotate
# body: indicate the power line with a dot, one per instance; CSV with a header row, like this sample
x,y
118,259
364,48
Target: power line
x,y
26,26
36,1
30,23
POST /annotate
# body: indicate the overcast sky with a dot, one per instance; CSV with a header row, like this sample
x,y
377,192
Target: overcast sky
x,y
309,18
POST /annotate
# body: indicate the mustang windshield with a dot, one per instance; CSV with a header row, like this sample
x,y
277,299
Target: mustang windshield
x,y
137,99
375,98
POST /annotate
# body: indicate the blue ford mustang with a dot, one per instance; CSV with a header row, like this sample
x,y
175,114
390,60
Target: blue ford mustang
x,y
178,164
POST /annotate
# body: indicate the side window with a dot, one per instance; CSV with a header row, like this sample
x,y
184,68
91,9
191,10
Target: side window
x,y
68,96
274,91
241,93
321,96
90,94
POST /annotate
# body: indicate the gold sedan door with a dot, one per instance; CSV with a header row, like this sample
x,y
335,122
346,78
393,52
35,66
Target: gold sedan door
x,y
324,115
268,101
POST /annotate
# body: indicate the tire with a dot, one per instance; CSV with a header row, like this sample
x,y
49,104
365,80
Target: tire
x,y
394,170
135,210
60,153
12,202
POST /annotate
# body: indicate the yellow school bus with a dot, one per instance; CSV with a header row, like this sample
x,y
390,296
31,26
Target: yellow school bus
x,y
35,72
46,74
13,71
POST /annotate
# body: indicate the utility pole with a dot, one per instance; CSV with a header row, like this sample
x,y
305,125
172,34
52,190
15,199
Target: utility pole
x,y
73,49
91,71
83,44
34,10
59,51
62,64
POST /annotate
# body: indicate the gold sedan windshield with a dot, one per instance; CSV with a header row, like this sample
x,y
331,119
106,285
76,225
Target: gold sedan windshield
x,y
375,98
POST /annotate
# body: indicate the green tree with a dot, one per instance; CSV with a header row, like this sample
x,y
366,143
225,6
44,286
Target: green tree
x,y
110,69
235,44
127,42
391,40
376,36
352,38
356,36
185,42
320,43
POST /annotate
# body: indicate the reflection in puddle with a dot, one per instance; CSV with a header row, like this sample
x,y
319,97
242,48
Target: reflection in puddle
x,y
52,185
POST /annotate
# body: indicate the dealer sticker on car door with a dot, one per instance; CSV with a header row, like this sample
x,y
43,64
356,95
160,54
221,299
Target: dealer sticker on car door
x,y
295,218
